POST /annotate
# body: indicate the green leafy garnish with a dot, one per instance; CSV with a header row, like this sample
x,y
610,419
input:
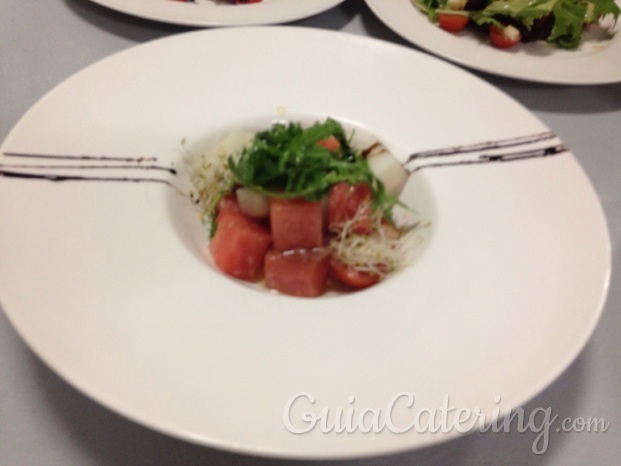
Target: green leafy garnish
x,y
288,161
567,16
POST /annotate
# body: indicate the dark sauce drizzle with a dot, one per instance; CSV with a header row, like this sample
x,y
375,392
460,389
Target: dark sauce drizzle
x,y
93,167
136,163
489,145
125,163
494,158
81,157
480,148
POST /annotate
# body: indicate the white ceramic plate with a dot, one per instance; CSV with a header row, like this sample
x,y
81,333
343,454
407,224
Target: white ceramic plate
x,y
214,13
594,62
106,283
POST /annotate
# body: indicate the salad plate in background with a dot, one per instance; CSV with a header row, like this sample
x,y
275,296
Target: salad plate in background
x,y
220,13
596,61
514,265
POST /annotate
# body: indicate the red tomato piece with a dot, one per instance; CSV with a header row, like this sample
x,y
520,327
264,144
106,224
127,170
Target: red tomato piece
x,y
296,224
300,272
352,277
239,245
504,38
452,22
330,143
347,201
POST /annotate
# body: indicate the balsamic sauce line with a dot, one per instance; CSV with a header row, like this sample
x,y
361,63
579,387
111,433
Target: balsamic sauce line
x,y
455,150
489,145
90,167
59,178
126,163
494,158
81,157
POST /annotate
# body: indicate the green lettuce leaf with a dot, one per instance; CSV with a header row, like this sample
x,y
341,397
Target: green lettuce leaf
x,y
568,21
524,11
605,7
569,16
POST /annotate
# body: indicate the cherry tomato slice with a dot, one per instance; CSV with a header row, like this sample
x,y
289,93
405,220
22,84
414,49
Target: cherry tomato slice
x,y
504,38
330,143
352,277
452,23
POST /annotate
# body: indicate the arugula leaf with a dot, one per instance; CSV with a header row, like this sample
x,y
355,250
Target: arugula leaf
x,y
286,161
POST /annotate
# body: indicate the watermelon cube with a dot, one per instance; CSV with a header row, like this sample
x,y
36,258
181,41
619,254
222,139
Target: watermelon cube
x,y
239,245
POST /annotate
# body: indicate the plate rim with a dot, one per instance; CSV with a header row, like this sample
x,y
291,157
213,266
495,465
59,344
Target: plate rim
x,y
173,14
259,452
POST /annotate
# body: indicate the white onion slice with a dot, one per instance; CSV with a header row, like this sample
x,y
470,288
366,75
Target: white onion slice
x,y
389,171
252,203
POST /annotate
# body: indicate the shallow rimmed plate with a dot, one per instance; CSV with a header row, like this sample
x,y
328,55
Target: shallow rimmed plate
x,y
214,13
105,280
594,62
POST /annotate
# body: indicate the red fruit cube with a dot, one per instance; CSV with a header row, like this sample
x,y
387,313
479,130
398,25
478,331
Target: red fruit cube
x,y
299,272
239,245
330,143
349,201
296,224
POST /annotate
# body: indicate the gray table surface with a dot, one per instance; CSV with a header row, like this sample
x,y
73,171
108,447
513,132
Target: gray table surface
x,y
44,421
